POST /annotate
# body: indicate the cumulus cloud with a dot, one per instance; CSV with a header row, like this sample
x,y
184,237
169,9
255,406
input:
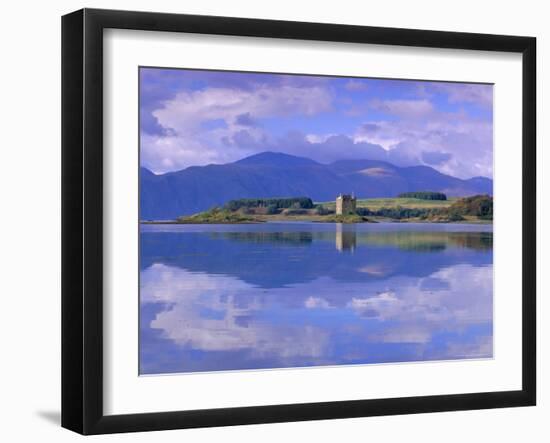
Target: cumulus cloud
x,y
435,158
186,108
330,148
482,347
454,142
316,303
246,120
356,85
412,109
199,117
185,141
478,94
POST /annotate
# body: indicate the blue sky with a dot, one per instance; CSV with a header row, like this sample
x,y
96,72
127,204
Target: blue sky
x,y
194,117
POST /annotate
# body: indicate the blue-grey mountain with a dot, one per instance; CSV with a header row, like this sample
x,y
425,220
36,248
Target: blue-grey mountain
x,y
271,174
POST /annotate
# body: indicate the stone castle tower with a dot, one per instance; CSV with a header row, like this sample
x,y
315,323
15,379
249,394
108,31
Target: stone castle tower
x,y
345,204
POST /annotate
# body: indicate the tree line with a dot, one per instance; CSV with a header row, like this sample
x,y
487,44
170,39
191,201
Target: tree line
x,y
424,195
271,203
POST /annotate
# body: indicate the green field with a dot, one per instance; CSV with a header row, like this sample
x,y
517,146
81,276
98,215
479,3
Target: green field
x,y
378,203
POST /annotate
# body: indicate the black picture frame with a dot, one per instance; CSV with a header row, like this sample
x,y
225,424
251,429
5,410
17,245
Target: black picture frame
x,y
82,218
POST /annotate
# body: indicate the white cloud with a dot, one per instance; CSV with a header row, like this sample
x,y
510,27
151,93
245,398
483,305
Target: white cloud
x,y
220,124
188,141
356,85
466,142
188,109
318,138
316,303
481,348
466,93
413,109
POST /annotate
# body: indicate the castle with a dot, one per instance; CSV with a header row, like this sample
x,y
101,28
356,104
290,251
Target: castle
x,y
345,204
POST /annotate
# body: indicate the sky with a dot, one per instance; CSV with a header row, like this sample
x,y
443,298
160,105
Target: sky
x,y
195,118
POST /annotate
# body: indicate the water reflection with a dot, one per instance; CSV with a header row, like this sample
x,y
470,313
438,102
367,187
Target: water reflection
x,y
257,296
346,237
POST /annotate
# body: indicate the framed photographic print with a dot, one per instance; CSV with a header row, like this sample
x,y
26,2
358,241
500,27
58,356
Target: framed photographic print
x,y
269,221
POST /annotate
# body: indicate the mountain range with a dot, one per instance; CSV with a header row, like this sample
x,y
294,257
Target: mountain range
x,y
273,174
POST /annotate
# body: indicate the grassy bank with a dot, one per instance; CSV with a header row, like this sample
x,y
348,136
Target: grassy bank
x,y
217,216
379,203
476,209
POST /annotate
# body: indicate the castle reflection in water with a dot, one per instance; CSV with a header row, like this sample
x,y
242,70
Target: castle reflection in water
x,y
346,237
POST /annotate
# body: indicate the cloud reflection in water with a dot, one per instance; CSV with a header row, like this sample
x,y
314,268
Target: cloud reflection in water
x,y
393,299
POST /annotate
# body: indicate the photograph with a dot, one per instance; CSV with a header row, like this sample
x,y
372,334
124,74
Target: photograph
x,y
295,220
255,222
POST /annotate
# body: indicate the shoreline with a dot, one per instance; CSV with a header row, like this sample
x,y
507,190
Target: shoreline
x,y
373,220
471,210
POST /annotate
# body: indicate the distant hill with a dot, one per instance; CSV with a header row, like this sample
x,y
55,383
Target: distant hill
x,y
273,174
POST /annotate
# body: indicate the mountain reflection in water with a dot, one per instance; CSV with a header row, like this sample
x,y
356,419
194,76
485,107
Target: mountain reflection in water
x,y
275,295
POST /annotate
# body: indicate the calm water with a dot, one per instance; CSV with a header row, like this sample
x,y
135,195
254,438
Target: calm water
x,y
233,297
